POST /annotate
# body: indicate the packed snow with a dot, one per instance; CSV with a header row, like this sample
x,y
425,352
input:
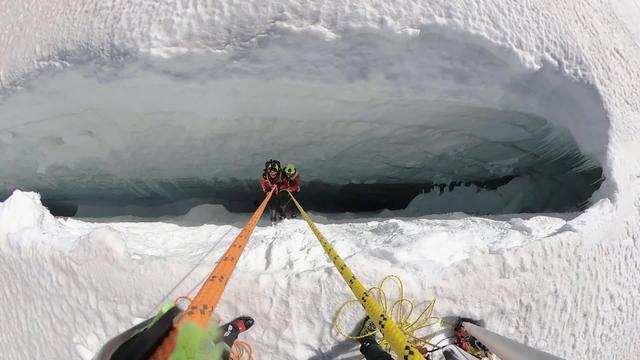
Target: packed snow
x,y
93,280
107,103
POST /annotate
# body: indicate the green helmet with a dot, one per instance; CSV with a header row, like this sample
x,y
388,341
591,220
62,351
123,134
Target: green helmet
x,y
290,170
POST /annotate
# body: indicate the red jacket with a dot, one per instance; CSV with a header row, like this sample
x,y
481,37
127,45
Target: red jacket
x,y
282,181
268,182
293,185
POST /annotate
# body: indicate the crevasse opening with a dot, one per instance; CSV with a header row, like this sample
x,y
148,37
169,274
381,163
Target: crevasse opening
x,y
437,122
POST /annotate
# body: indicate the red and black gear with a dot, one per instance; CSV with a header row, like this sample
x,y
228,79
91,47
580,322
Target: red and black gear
x,y
469,343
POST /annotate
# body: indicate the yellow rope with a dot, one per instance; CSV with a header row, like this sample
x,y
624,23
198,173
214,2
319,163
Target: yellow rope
x,y
384,323
402,317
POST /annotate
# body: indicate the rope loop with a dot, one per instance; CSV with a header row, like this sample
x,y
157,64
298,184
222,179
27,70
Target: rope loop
x,y
402,309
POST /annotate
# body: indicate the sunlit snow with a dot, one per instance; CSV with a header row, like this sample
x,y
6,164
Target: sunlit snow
x,y
151,120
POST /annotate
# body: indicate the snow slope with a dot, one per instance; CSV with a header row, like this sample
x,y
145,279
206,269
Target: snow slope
x,y
91,90
533,278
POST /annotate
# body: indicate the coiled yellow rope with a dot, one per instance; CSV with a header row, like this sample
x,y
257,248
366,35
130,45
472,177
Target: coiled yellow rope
x,y
401,310
383,322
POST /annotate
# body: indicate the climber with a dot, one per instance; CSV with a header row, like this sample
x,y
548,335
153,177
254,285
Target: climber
x,y
293,186
284,181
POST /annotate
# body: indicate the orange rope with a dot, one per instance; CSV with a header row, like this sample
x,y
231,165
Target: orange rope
x,y
240,349
183,297
202,306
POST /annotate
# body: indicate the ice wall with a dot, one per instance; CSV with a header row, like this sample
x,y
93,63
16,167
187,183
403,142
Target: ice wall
x,y
387,95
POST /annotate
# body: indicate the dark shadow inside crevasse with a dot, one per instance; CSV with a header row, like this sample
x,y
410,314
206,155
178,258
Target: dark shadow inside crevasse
x,y
540,193
521,164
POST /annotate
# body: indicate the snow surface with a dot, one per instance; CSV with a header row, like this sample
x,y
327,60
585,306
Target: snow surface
x,y
92,93
92,280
